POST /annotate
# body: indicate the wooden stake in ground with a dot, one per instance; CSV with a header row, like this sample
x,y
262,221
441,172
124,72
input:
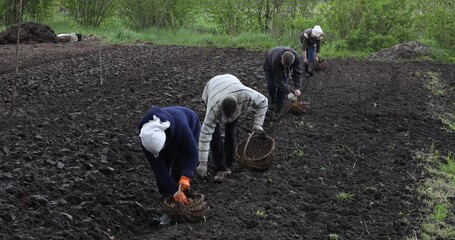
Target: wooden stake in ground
x,y
101,67
13,102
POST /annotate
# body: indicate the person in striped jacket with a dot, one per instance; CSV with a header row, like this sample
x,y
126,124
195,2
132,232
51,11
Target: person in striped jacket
x,y
226,99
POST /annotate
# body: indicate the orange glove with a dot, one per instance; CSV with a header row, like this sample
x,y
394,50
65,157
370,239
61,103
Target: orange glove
x,y
184,183
179,196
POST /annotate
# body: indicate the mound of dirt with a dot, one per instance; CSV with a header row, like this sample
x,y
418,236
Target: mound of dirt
x,y
402,51
29,33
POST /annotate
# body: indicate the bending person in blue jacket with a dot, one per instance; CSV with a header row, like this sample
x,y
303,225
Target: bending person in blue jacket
x,y
169,137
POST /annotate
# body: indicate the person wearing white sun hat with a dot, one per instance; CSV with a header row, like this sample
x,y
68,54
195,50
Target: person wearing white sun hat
x,y
169,139
310,41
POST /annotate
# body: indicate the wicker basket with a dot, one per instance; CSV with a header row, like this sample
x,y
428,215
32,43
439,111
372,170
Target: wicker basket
x,y
255,152
193,212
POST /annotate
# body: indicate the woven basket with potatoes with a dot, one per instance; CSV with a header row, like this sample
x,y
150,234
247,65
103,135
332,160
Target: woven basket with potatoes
x,y
193,212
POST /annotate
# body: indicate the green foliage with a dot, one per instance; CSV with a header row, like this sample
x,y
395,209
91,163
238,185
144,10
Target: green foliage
x,y
369,25
88,12
231,17
435,20
440,212
434,83
353,28
277,17
141,14
449,167
32,10
295,17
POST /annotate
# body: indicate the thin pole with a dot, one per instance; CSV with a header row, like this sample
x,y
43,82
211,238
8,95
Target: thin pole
x,y
101,66
13,102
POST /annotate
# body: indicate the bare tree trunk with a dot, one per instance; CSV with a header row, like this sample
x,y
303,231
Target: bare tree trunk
x,y
267,16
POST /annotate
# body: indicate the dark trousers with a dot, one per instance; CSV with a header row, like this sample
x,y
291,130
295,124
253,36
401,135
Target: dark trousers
x,y
223,153
277,96
311,54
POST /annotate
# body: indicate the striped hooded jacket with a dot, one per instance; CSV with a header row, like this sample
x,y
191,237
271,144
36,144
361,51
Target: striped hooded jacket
x,y
215,91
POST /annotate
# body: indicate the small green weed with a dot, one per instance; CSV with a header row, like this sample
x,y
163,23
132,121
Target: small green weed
x,y
334,236
344,196
261,213
299,152
440,212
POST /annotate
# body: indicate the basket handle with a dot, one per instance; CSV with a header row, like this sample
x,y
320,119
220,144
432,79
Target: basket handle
x,y
180,201
246,144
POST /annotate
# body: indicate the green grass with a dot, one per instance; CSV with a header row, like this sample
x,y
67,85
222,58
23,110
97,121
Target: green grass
x,y
434,83
437,192
448,122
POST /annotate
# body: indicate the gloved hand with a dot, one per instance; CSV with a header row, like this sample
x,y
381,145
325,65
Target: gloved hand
x,y
184,183
258,129
179,196
201,170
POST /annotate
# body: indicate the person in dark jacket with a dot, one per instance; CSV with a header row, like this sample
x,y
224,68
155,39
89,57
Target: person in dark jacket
x,y
310,41
281,65
169,137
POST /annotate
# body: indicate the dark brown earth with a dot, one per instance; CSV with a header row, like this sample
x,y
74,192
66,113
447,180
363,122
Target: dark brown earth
x,y
71,166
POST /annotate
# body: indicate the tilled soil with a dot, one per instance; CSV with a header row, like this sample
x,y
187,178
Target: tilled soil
x,y
71,165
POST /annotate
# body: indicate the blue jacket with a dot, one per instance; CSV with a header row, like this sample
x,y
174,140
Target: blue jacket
x,y
180,150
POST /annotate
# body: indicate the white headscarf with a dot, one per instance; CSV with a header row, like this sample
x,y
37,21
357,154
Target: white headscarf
x,y
153,136
317,31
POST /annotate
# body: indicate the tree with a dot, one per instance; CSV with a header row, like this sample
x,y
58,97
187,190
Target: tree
x,y
89,12
156,13
32,10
